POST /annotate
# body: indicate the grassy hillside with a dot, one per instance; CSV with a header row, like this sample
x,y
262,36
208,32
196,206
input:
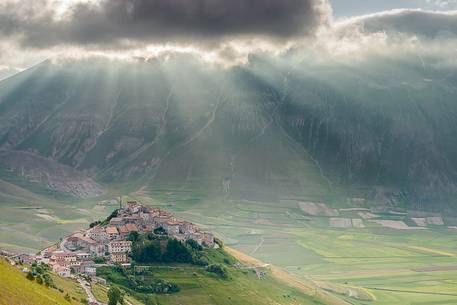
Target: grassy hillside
x,y
15,289
201,287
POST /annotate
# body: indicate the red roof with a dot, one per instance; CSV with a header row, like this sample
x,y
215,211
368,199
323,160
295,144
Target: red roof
x,y
131,227
133,217
63,254
87,240
111,230
97,229
123,229
165,214
174,223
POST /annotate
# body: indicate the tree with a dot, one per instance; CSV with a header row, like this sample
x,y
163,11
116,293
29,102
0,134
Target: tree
x,y
194,245
99,260
177,252
114,296
39,280
160,231
30,276
218,269
219,242
133,236
95,223
38,269
48,280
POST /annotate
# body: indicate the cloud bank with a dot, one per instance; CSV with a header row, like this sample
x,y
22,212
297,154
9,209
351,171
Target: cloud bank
x,y
128,23
220,31
412,22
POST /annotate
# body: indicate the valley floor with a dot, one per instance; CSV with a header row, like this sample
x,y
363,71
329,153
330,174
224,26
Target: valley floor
x,y
371,264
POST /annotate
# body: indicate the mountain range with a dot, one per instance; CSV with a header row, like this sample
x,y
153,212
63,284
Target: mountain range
x,y
291,127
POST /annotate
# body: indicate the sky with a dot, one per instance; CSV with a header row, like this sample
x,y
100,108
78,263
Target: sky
x,y
351,8
220,31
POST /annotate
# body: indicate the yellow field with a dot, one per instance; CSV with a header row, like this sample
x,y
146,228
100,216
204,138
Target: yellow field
x,y
15,289
310,288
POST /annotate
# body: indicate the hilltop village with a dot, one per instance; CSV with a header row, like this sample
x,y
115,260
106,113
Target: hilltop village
x,y
106,243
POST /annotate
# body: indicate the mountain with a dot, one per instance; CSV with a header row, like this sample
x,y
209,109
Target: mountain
x,y
274,129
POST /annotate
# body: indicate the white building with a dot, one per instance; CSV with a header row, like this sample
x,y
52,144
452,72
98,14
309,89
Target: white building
x,y
97,233
65,259
97,250
82,256
90,270
121,246
112,232
61,270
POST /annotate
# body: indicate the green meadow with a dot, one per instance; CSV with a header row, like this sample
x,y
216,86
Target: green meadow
x,y
200,287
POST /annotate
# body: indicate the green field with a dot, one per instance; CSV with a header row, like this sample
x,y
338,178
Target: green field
x,y
35,223
371,265
201,287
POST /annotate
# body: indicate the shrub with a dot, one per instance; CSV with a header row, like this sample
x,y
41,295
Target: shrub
x,y
201,261
99,260
219,242
160,231
39,270
39,280
194,245
218,269
30,276
114,296
133,236
67,298
150,300
95,223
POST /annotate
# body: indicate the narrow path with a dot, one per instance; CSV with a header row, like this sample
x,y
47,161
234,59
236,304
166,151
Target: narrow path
x,y
414,291
87,288
196,135
289,279
262,240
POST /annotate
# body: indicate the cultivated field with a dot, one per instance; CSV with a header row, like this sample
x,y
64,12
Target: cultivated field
x,y
387,261
381,258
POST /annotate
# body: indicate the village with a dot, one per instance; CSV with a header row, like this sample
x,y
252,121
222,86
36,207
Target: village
x,y
107,243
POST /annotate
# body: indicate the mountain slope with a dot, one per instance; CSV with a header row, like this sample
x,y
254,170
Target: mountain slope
x,y
270,130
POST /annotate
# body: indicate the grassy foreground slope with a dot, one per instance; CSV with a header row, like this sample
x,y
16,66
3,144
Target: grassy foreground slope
x,y
15,289
247,283
200,287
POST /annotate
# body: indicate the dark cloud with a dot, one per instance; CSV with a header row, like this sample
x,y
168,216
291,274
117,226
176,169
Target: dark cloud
x,y
422,24
124,22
